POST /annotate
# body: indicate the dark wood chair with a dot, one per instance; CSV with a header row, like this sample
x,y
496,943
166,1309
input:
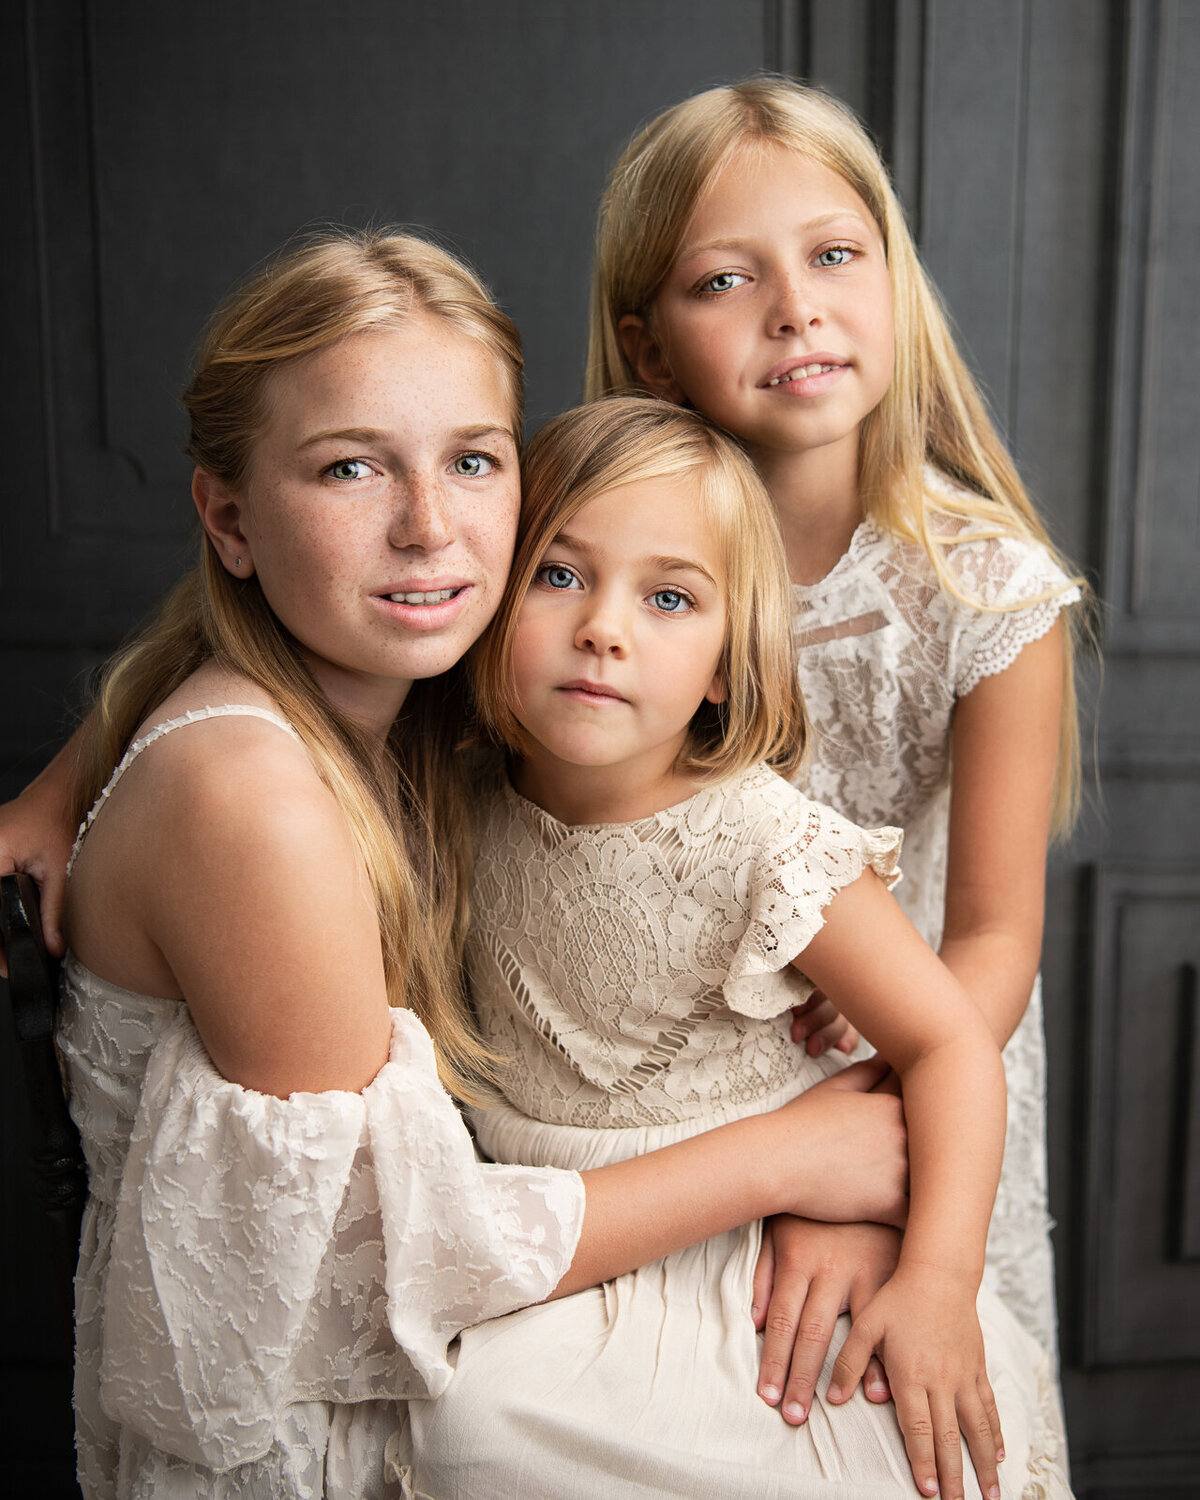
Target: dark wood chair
x,y
56,1157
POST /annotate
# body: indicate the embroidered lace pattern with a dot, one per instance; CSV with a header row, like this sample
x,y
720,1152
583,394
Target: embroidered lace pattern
x,y
261,1279
640,973
884,653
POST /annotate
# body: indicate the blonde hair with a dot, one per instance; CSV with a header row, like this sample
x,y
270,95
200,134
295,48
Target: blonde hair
x,y
932,413
593,449
338,284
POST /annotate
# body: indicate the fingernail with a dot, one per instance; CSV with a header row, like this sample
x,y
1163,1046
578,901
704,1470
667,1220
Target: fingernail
x,y
994,1492
770,1394
929,1486
794,1412
999,1455
877,1388
754,1309
835,1393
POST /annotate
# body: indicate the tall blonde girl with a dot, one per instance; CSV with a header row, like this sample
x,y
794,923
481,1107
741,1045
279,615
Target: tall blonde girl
x,y
753,261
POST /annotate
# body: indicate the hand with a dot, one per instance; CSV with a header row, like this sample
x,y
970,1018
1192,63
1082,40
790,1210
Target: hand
x,y
35,837
924,1326
819,1026
807,1274
855,1149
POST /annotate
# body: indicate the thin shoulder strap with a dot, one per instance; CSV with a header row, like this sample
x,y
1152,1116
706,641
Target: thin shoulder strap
x,y
193,716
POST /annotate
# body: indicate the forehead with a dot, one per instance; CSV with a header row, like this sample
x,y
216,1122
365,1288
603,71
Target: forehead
x,y
665,516
762,180
421,366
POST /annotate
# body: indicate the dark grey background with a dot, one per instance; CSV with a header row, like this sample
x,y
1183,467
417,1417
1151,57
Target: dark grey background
x,y
1047,153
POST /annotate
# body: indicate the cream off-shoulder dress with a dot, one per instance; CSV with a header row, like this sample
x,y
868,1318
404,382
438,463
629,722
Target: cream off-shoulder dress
x,y
884,653
639,978
261,1281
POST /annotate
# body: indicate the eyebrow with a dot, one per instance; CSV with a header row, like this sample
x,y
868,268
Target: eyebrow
x,y
659,564
734,242
371,435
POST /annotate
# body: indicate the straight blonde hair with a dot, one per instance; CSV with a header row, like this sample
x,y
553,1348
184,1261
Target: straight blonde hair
x,y
591,450
933,412
406,808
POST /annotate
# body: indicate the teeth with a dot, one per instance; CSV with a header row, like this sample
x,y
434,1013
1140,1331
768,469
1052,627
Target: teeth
x,y
802,372
438,596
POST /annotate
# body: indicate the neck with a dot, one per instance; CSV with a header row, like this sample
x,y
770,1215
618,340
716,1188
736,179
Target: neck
x,y
599,794
372,702
817,502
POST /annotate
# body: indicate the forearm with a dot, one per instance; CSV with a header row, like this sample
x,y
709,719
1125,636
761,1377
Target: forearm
x,y
954,1102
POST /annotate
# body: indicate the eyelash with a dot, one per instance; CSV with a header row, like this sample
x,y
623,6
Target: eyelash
x,y
848,251
540,577
705,288
492,462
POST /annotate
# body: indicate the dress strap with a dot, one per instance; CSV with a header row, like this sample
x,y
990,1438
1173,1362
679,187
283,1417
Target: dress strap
x,y
193,716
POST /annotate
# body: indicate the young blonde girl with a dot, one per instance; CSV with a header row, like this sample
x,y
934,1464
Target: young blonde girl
x,y
753,262
650,900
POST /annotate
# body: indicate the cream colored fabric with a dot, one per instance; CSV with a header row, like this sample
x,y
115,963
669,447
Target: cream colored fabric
x,y
884,654
261,1279
647,1386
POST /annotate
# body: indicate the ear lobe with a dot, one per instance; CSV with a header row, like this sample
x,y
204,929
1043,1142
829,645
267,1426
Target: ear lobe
x,y
647,360
220,512
718,688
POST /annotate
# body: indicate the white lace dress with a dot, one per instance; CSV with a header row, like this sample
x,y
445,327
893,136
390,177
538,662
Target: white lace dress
x,y
261,1280
640,977
884,654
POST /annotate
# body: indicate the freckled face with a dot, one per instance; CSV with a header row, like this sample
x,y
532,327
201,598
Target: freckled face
x,y
381,504
620,637
776,319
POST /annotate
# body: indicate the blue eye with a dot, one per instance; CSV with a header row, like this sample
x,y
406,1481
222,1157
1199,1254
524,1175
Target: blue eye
x,y
671,601
723,281
555,576
473,465
348,468
836,255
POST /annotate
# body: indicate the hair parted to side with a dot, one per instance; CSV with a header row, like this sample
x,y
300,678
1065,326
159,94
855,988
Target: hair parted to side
x,y
330,287
593,449
933,412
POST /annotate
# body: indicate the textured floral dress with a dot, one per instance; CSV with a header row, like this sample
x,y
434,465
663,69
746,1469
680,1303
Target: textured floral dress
x,y
639,976
884,654
262,1280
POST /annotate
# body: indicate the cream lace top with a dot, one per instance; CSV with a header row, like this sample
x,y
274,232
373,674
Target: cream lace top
x,y
249,1263
640,973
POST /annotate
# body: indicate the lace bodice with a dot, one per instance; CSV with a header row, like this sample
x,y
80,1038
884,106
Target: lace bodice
x,y
884,653
640,973
247,1260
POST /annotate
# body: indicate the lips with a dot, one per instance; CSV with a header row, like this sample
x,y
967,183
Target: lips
x,y
423,596
803,367
584,690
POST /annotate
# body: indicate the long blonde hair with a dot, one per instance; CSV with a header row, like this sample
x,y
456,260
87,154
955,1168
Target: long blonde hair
x,y
933,412
592,449
335,285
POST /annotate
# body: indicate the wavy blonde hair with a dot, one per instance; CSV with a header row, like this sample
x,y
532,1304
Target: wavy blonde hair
x,y
593,449
933,412
335,285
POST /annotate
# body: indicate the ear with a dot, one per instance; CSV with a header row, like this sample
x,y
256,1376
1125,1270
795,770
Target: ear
x,y
646,359
718,689
220,512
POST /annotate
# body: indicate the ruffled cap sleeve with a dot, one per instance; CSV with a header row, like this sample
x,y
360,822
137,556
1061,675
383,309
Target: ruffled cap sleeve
x,y
809,854
256,1237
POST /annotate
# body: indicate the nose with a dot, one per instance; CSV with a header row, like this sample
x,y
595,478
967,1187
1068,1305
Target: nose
x,y
794,306
422,516
603,629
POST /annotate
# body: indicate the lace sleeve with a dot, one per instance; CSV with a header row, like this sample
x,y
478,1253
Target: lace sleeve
x,y
228,1294
1024,591
796,876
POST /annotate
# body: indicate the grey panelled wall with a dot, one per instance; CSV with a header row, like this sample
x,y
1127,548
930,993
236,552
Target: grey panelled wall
x,y
1047,151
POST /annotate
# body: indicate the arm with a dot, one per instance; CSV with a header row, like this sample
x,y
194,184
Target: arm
x,y
36,833
1005,747
923,1323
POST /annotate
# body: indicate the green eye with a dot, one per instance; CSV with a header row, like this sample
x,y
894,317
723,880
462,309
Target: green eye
x,y
724,281
836,255
473,465
348,468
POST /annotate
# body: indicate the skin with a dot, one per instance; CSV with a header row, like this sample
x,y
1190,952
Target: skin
x,y
752,287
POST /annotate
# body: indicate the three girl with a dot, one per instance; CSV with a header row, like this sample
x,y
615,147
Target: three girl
x,y
753,263
650,901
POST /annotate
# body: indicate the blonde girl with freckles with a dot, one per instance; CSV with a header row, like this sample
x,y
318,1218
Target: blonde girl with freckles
x,y
753,263
651,898
262,1015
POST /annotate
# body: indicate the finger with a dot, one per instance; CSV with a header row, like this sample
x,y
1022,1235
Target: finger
x,y
948,1445
912,1412
851,1363
993,1416
52,891
875,1382
764,1278
861,1077
802,1024
975,1424
818,1319
779,1338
